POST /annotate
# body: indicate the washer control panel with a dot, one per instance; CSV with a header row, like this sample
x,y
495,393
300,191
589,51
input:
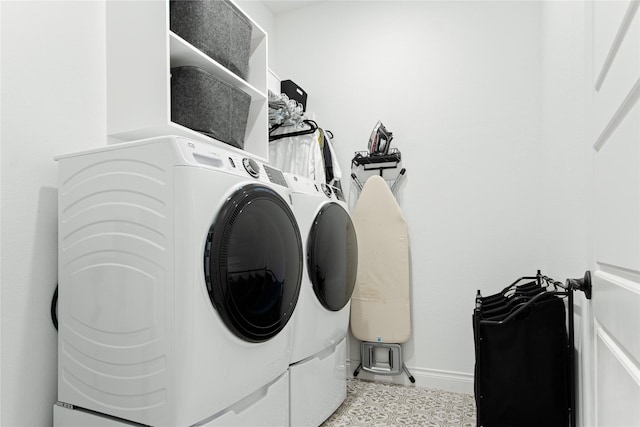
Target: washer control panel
x,y
207,155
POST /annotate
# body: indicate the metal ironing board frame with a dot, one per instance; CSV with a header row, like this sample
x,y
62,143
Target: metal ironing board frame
x,y
368,363
377,162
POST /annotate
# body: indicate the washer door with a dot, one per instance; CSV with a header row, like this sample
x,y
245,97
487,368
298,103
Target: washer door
x,y
253,263
332,256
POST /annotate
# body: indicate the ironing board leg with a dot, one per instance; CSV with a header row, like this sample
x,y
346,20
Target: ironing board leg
x,y
357,371
404,367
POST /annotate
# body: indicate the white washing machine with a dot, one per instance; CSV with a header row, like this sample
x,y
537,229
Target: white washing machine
x,y
180,266
317,373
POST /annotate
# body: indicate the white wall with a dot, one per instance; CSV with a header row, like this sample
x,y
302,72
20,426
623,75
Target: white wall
x,y
459,84
565,158
1,244
262,16
566,163
53,101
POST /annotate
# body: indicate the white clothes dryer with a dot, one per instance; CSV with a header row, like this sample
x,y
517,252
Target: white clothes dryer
x,y
317,373
180,266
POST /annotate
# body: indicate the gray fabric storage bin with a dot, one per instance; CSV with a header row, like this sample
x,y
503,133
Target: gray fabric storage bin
x,y
204,103
217,28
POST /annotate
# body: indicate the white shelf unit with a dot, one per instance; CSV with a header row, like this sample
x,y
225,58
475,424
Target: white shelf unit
x,y
141,49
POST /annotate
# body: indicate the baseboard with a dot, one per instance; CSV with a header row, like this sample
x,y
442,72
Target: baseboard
x,y
457,382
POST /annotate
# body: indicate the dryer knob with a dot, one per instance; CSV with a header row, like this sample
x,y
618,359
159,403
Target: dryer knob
x,y
326,189
252,167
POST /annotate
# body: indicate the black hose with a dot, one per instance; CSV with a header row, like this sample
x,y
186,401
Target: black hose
x,y
54,308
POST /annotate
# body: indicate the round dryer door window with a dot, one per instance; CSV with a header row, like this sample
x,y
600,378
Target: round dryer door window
x,y
332,256
253,263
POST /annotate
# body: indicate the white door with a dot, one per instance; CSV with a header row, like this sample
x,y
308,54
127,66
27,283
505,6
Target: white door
x,y
610,356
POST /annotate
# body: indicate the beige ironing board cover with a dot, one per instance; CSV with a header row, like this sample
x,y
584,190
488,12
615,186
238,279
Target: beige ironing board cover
x,y
380,304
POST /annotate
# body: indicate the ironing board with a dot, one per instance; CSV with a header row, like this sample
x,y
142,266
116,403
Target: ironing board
x,y
380,304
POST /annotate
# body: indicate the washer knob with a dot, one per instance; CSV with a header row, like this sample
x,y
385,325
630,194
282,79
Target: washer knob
x,y
251,166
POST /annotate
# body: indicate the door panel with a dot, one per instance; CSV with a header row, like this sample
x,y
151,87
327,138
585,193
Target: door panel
x,y
618,384
617,185
616,80
611,352
616,303
607,18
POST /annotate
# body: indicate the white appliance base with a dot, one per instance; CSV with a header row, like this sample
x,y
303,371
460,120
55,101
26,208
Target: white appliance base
x,y
68,417
318,386
268,406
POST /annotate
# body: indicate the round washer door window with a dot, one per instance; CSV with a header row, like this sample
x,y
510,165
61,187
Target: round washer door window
x,y
253,263
332,256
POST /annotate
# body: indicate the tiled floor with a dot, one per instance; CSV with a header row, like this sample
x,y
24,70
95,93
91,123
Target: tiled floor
x,y
380,404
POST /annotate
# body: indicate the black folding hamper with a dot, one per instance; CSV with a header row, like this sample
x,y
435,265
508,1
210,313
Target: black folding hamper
x,y
524,372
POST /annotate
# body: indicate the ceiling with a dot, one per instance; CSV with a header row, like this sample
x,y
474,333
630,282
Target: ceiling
x,y
278,7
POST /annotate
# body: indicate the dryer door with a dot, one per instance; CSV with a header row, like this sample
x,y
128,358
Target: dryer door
x,y
253,263
332,256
